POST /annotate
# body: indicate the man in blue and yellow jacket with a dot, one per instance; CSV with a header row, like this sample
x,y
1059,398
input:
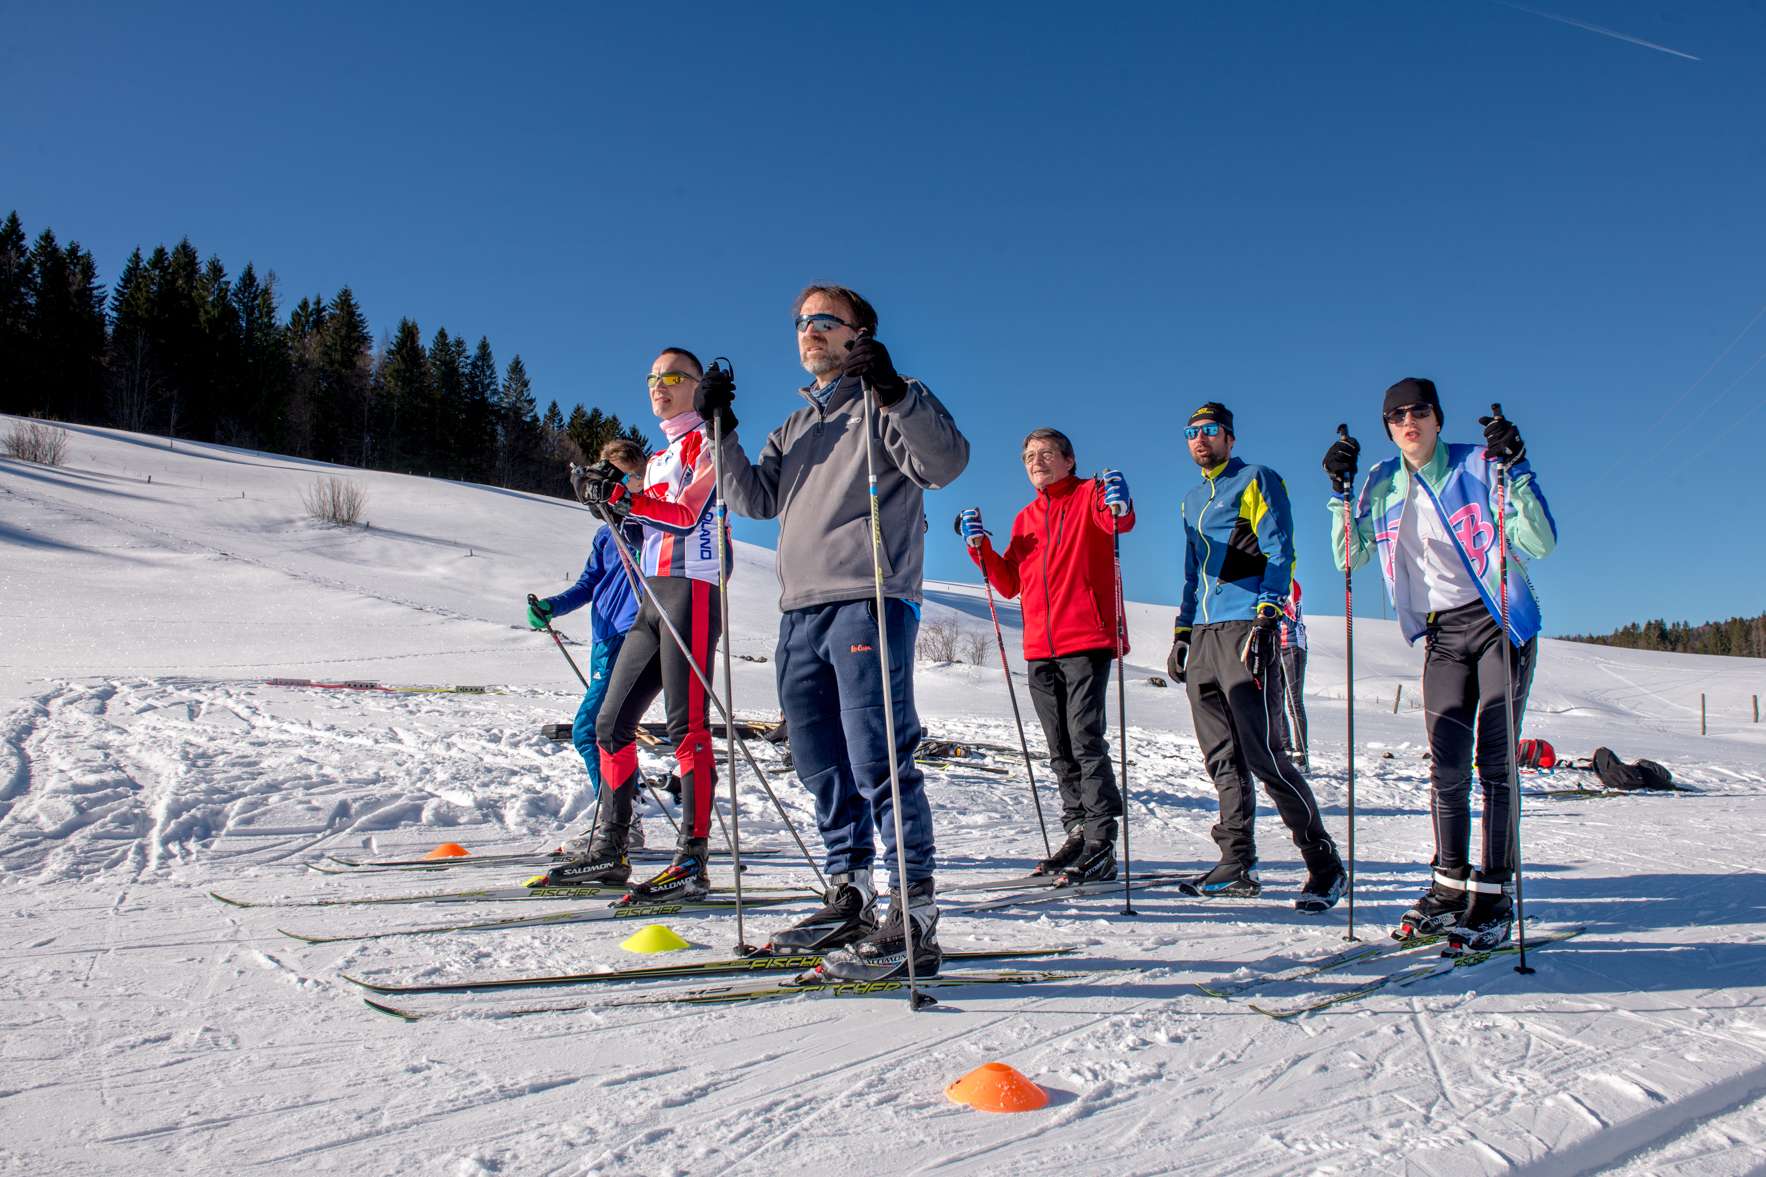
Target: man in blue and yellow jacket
x,y
1238,566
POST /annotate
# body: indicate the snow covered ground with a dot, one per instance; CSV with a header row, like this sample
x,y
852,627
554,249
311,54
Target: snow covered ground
x,y
148,1028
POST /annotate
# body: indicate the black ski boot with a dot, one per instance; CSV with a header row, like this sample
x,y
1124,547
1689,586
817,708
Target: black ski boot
x,y
1488,921
1064,857
1096,864
883,955
684,880
604,864
1324,885
1439,908
1229,880
849,913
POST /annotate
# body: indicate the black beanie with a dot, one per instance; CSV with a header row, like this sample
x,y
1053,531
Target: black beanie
x,y
1214,411
1412,390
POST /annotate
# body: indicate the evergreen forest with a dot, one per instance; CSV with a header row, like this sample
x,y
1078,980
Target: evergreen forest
x,y
180,347
1739,637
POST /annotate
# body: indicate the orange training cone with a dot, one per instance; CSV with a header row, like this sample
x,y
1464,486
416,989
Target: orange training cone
x,y
995,1087
448,850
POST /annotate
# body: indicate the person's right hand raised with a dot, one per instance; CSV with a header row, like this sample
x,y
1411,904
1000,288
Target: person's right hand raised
x,y
969,527
715,394
1341,459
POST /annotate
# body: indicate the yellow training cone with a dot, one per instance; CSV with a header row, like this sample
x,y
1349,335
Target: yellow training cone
x,y
448,850
995,1087
654,938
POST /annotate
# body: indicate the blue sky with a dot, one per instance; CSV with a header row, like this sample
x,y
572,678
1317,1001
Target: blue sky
x,y
1088,217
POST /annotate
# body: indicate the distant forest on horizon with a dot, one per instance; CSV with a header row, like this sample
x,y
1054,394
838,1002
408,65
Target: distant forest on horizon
x,y
1739,637
180,348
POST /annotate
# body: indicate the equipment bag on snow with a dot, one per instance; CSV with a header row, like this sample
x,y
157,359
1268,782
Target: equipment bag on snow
x,y
1616,774
1538,755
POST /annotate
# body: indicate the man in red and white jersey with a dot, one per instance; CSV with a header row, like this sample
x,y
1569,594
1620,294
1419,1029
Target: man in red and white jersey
x,y
676,507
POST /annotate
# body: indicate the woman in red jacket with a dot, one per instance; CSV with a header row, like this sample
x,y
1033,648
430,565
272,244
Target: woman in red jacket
x,y
1061,565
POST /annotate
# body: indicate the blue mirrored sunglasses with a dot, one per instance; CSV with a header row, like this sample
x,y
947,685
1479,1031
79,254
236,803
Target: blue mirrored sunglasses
x,y
821,323
1206,429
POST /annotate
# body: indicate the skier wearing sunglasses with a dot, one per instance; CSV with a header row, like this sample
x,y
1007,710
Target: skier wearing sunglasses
x,y
812,476
1238,566
1430,515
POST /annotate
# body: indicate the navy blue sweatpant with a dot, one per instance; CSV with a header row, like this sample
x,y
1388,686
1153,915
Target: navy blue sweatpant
x,y
831,690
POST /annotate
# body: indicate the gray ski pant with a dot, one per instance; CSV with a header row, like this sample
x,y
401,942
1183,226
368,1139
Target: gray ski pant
x,y
1235,725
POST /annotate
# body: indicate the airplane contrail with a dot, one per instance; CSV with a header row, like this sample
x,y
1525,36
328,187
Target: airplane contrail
x,y
1582,24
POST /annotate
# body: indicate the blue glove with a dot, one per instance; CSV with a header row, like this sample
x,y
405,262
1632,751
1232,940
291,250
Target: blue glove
x,y
969,527
1116,493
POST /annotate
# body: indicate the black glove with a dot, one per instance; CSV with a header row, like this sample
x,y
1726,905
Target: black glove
x,y
604,489
1340,461
869,360
716,391
1176,662
1502,439
1262,643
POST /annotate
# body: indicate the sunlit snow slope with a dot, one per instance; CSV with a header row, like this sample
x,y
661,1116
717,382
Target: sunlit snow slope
x,y
145,762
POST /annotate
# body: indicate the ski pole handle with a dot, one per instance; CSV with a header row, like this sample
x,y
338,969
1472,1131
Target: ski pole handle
x,y
1343,432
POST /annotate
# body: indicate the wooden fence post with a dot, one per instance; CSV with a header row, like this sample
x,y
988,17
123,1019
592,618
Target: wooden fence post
x,y
1701,713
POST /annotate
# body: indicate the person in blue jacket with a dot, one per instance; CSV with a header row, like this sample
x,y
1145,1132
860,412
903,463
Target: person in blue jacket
x,y
607,590
1238,568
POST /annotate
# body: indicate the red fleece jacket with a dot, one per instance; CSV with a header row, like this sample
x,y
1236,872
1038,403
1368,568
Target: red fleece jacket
x,y
1061,559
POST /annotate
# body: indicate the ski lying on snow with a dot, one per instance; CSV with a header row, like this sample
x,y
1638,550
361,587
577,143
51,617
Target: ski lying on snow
x,y
757,990
579,916
371,685
1078,891
527,858
1421,971
492,895
1348,956
1021,883
769,963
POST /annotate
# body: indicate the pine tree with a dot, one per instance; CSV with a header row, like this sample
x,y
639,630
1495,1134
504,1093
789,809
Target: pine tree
x,y
344,410
478,430
447,374
405,408
67,330
264,360
518,429
17,283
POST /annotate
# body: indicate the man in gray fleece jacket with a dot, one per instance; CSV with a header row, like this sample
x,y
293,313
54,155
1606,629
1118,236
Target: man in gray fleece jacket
x,y
812,478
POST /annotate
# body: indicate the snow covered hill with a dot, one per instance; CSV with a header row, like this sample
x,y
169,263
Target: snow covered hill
x,y
144,762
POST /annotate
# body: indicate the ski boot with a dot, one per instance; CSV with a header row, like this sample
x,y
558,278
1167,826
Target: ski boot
x,y
1324,886
1096,864
1488,921
604,864
1061,859
685,880
849,913
1439,908
883,955
1229,880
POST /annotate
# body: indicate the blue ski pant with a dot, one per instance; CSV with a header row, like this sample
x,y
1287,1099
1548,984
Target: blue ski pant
x,y
582,732
831,690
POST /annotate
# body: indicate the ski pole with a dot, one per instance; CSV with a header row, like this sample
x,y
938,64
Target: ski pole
x,y
916,999
629,562
1508,695
1048,851
723,597
1122,712
1349,650
533,603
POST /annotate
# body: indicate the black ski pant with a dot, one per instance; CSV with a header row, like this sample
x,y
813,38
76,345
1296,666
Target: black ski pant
x,y
1291,713
1235,725
1465,709
650,663
1069,693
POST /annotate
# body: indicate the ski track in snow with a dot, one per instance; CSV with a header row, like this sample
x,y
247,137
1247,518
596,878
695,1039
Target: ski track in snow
x,y
143,762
